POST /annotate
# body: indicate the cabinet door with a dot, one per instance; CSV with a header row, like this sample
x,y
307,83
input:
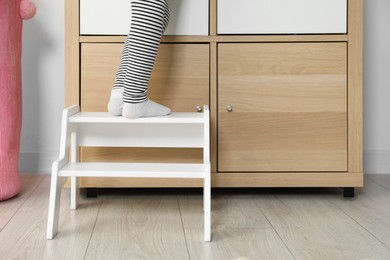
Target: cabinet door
x,y
104,17
288,107
282,16
180,80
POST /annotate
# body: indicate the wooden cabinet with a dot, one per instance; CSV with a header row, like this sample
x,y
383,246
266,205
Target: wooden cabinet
x,y
283,107
283,80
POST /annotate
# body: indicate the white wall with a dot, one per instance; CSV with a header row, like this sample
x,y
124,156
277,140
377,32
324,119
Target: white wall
x,y
43,86
377,87
43,78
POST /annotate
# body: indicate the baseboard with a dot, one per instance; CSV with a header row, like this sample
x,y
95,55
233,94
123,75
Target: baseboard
x,y
376,161
34,162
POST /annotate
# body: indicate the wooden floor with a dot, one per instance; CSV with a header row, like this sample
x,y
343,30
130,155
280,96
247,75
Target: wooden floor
x,y
246,224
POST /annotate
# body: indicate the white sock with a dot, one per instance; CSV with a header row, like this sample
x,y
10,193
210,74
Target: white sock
x,y
148,108
115,105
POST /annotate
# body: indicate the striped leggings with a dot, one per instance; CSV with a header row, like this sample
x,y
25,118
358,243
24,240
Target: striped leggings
x,y
148,22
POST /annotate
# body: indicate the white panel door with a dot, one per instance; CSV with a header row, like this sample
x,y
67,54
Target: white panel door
x,y
112,17
282,16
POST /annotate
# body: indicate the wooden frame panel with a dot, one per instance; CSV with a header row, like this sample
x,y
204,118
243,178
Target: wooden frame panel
x,y
355,86
72,52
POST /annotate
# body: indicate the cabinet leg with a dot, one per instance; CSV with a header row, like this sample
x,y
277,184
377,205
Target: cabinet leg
x,y
349,192
91,192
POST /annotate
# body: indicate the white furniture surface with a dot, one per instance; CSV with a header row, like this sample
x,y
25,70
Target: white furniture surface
x,y
178,130
282,16
102,17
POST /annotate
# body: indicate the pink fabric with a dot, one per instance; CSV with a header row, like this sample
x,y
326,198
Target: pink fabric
x,y
10,95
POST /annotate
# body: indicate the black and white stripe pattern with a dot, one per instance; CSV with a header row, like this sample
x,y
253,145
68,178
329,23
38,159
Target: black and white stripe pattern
x,y
149,19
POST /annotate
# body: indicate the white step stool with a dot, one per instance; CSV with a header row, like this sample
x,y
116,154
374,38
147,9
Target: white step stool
x,y
103,130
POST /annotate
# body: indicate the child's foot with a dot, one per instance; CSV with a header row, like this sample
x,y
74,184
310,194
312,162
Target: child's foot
x,y
115,105
148,108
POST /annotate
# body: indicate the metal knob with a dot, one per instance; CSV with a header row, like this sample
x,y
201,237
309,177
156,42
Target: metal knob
x,y
229,108
199,109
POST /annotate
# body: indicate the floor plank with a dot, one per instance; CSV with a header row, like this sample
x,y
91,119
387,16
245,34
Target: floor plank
x,y
138,227
24,237
9,207
237,243
228,209
381,179
314,228
370,209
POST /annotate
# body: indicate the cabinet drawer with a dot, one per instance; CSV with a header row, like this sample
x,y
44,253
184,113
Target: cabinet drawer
x,y
289,107
103,17
282,16
180,79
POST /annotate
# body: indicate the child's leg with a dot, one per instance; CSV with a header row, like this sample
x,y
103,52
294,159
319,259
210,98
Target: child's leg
x,y
115,104
149,20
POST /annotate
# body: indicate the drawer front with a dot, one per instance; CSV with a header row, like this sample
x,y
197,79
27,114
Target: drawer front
x,y
103,17
289,107
180,78
282,16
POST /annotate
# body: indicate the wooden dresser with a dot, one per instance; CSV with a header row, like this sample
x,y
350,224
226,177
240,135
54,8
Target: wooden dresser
x,y
283,80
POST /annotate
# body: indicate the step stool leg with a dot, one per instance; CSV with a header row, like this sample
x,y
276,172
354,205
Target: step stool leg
x,y
74,192
74,181
54,205
207,208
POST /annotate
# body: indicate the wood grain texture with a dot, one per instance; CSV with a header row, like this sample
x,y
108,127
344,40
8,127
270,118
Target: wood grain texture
x,y
226,38
247,224
157,155
239,244
72,53
289,107
138,227
140,182
241,179
24,237
355,85
213,105
313,228
180,79
369,208
228,211
8,208
213,17
287,179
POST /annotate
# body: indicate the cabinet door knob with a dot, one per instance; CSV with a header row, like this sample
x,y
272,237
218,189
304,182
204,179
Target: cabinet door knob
x,y
199,109
229,108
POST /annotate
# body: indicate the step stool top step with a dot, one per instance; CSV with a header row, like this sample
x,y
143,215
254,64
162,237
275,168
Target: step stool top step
x,y
105,117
